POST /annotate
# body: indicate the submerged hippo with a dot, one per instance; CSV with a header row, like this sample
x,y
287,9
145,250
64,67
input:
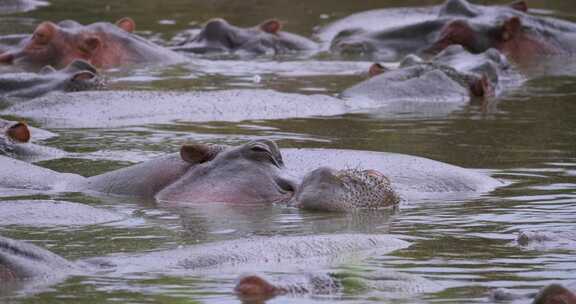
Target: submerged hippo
x,y
518,35
102,44
452,75
218,35
391,43
15,141
255,173
77,76
12,133
22,261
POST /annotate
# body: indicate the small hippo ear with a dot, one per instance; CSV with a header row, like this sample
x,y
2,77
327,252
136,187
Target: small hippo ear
x,y
127,24
48,69
254,286
272,26
519,5
376,69
83,76
510,28
90,44
482,87
19,132
199,153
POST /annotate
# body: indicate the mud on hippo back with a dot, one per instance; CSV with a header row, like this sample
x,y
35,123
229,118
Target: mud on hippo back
x,y
392,43
102,44
77,76
219,36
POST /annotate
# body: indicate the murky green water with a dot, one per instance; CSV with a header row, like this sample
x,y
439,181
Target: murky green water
x,y
528,137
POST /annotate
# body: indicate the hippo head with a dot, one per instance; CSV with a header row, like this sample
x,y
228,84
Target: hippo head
x,y
477,37
251,173
60,44
327,189
353,42
220,36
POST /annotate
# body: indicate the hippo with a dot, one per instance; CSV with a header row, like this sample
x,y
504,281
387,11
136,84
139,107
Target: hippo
x,y
20,261
12,133
205,173
77,76
102,44
518,35
15,142
451,76
260,287
218,36
392,43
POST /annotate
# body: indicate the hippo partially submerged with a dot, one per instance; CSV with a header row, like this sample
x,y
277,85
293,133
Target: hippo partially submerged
x,y
102,44
257,172
451,76
389,43
218,36
12,133
77,76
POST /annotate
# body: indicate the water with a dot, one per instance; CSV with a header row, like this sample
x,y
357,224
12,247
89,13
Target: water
x,y
526,137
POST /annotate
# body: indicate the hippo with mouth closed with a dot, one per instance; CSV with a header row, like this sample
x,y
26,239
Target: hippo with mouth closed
x,y
77,76
390,44
102,44
452,75
218,36
255,173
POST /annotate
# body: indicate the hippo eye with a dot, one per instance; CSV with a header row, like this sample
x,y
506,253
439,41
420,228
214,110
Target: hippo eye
x,y
259,149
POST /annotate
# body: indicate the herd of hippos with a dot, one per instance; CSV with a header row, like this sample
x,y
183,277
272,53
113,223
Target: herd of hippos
x,y
460,51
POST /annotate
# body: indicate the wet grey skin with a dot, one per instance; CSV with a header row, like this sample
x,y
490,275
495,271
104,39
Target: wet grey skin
x,y
394,43
219,36
23,261
326,189
453,75
77,76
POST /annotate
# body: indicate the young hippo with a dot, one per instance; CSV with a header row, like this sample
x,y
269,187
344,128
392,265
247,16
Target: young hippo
x,y
218,35
77,76
102,44
521,37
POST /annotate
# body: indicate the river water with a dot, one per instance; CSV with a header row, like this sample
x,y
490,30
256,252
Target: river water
x,y
526,137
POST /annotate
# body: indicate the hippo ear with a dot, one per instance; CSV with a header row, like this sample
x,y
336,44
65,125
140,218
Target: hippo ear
x,y
48,69
6,58
482,87
127,24
44,33
511,28
376,69
83,76
253,286
271,26
199,153
90,44
19,132
520,5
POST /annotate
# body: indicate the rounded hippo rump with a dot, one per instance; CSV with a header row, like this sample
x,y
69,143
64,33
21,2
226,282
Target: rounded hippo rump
x,y
77,76
218,36
102,44
94,109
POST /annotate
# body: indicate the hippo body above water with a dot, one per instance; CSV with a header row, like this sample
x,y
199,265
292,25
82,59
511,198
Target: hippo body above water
x,y
218,36
77,76
104,45
258,172
454,75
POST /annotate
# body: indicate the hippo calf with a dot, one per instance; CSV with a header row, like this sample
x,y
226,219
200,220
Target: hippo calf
x,y
218,36
77,76
102,44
